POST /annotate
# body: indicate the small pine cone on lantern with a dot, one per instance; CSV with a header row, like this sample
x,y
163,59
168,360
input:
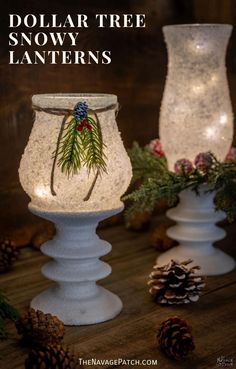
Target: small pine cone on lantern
x,y
52,357
40,329
175,283
175,338
8,254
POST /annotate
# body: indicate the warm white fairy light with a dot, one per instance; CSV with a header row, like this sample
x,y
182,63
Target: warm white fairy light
x,y
42,191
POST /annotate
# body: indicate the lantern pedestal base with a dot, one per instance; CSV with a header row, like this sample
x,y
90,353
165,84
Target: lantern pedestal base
x,y
196,231
76,298
81,311
213,262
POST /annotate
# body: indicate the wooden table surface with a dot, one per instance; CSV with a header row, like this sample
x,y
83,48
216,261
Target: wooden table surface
x,y
132,334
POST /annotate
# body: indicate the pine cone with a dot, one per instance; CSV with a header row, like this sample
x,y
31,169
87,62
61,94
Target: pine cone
x,y
175,283
80,111
52,357
175,338
8,254
139,221
159,239
40,329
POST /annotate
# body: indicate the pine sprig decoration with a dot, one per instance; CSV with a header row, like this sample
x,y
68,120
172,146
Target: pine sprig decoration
x,y
157,182
144,164
93,146
81,143
71,149
7,312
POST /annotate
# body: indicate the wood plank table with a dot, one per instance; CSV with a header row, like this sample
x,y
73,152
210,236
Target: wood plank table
x,y
132,334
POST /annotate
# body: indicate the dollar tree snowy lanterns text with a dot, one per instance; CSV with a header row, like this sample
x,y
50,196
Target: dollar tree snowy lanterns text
x,y
53,39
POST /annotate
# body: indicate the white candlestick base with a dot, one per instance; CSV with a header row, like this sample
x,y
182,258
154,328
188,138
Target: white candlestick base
x,y
196,231
76,299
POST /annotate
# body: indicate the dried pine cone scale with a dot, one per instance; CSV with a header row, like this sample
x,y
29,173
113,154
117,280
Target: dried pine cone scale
x,y
52,357
175,338
40,329
175,283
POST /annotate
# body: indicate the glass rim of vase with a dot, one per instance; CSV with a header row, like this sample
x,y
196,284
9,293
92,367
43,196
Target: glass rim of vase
x,y
198,25
69,100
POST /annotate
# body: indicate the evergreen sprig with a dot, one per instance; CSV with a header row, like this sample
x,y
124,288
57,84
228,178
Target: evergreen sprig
x,y
93,146
7,312
144,164
157,182
81,144
71,149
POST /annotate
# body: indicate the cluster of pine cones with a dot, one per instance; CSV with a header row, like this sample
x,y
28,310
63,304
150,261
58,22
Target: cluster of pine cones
x,y
175,283
44,333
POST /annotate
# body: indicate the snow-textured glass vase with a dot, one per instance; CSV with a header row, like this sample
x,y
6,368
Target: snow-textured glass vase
x,y
36,164
75,204
196,114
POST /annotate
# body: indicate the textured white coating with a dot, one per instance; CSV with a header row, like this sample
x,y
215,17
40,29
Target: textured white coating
x,y
75,297
36,163
196,113
196,231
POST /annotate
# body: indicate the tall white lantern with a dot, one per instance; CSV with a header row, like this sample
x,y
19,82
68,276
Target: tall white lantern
x,y
196,112
75,204
196,116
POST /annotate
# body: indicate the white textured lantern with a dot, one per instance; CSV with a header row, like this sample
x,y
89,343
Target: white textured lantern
x,y
196,113
76,204
196,116
36,163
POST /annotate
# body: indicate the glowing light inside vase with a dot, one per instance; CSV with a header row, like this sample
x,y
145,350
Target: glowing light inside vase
x,y
70,192
196,113
42,191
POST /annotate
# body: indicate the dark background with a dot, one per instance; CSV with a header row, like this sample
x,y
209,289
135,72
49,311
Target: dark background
x,y
136,75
